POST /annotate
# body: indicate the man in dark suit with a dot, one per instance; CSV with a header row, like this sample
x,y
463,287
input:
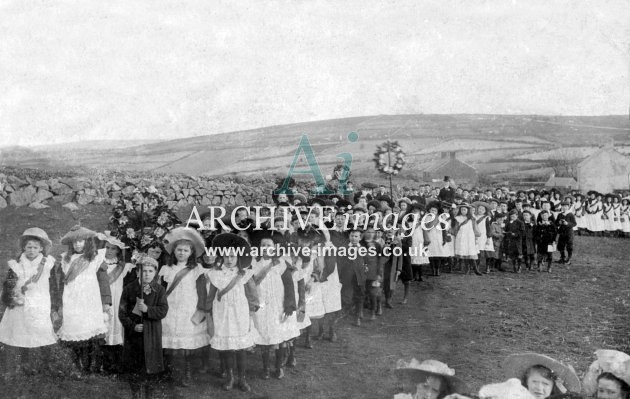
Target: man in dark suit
x,y
447,193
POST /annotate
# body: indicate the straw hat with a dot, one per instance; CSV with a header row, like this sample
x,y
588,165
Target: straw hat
x,y
39,234
110,239
231,240
510,389
608,361
515,366
77,233
184,233
419,371
477,204
299,197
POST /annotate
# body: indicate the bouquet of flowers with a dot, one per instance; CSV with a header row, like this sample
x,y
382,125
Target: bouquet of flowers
x,y
142,218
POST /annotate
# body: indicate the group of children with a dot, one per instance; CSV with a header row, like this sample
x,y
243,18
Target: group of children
x,y
163,310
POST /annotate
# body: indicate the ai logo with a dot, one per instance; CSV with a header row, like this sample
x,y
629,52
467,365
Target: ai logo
x,y
314,170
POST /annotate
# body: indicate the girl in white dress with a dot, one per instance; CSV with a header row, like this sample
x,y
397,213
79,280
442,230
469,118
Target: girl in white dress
x,y
484,240
624,216
234,330
616,216
314,301
578,211
116,271
438,250
608,215
182,333
466,233
83,326
594,222
26,324
276,322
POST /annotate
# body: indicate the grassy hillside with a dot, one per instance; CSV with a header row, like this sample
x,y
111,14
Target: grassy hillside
x,y
481,140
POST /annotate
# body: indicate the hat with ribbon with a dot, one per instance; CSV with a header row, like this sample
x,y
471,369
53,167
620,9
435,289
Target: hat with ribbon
x,y
38,234
184,233
419,371
77,233
517,364
110,239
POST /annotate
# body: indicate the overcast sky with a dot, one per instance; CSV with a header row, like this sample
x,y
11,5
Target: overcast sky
x,y
153,69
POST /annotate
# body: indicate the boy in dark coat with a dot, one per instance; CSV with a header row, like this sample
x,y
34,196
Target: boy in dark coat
x,y
374,277
544,235
513,240
565,223
352,273
494,259
142,308
529,248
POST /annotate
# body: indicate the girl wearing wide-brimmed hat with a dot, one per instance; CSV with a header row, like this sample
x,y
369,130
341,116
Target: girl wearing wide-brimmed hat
x,y
430,379
542,375
185,281
117,270
234,330
83,308
608,377
26,323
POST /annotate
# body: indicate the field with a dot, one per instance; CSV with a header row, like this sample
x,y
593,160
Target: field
x,y
480,140
469,322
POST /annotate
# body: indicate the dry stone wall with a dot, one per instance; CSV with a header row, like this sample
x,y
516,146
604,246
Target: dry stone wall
x,y
178,190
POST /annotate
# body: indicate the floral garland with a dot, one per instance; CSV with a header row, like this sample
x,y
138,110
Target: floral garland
x,y
128,218
390,164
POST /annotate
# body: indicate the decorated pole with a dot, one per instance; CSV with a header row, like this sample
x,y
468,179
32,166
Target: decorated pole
x,y
388,165
141,235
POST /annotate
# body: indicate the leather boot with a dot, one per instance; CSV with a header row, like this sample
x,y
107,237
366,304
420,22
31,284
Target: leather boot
x,y
379,307
476,268
388,301
291,361
539,267
280,353
437,268
265,358
240,363
307,338
332,334
229,367
548,267
229,383
320,335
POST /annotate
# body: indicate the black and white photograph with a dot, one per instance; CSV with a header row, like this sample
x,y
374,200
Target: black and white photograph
x,y
313,199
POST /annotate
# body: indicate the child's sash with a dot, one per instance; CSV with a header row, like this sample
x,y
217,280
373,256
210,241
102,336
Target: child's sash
x,y
35,278
178,278
77,267
115,273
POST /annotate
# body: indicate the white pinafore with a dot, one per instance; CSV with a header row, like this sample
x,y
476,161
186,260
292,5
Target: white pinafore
x,y
29,325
